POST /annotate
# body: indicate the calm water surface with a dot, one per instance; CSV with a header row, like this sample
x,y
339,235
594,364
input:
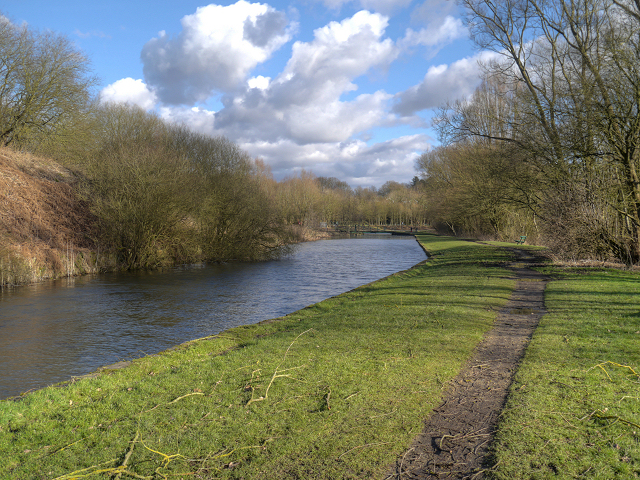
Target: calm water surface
x,y
50,332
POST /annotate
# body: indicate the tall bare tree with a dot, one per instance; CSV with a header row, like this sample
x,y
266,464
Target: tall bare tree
x,y
45,84
570,73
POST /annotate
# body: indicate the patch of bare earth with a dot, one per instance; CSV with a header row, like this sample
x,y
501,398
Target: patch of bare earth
x,y
42,220
456,438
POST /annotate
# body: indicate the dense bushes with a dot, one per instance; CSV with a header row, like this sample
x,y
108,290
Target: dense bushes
x,y
163,194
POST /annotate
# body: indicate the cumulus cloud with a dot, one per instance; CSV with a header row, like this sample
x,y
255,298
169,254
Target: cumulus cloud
x,y
311,115
433,11
259,82
354,161
340,52
442,83
215,51
435,34
129,90
304,103
337,121
198,119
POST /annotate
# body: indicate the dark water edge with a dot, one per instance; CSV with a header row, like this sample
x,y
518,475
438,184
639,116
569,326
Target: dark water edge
x,y
53,331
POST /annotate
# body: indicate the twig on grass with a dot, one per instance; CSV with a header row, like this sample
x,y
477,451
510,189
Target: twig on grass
x,y
602,414
601,366
184,396
128,454
78,473
352,395
277,373
166,458
95,469
172,401
65,447
628,396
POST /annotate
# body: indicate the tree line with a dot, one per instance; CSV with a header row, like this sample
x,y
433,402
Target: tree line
x,y
161,193
548,145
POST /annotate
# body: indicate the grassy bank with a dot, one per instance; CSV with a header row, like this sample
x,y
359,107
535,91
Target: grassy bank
x,y
337,390
574,408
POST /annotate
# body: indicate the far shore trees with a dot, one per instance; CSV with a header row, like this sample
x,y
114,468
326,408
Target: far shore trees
x,y
164,194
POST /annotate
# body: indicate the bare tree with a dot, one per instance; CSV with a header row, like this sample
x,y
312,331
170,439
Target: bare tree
x,y
44,84
571,76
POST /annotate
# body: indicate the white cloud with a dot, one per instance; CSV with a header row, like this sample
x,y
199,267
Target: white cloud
x,y
346,49
259,82
129,90
435,34
351,160
311,115
198,119
304,102
337,121
433,11
442,83
216,50
354,161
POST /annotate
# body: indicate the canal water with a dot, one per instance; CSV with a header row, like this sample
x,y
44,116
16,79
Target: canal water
x,y
53,331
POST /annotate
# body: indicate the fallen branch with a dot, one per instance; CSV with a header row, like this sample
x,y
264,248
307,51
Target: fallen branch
x,y
602,414
277,373
128,454
173,401
600,366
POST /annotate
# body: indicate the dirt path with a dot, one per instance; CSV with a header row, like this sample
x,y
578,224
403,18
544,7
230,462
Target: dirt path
x,y
457,435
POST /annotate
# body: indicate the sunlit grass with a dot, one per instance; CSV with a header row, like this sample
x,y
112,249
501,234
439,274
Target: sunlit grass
x,y
517,245
336,390
574,409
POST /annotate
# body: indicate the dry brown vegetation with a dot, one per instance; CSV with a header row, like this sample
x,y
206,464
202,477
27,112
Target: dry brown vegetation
x,y
45,229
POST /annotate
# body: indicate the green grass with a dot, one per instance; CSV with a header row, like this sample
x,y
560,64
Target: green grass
x,y
574,408
336,390
516,245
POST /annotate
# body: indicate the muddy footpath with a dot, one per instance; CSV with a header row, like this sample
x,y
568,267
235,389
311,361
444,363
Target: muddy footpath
x,y
456,437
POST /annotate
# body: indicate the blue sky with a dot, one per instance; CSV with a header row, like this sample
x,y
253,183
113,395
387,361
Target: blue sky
x,y
338,88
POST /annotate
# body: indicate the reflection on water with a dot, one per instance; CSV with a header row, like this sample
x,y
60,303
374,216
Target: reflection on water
x,y
52,331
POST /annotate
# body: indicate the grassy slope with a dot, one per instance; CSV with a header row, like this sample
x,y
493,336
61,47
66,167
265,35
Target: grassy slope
x,y
574,409
336,390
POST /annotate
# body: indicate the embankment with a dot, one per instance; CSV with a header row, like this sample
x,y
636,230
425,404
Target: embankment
x,y
45,229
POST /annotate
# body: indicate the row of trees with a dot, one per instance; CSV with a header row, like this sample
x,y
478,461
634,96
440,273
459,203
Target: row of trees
x,y
309,200
164,194
550,141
